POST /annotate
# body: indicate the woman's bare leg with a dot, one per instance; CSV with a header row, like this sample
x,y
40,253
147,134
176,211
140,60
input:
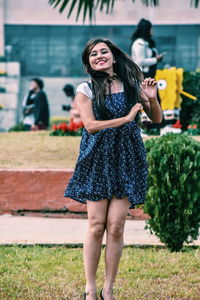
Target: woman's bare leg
x,y
117,213
97,213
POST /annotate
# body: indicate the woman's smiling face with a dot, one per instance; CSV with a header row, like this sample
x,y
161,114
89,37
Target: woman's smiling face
x,y
101,58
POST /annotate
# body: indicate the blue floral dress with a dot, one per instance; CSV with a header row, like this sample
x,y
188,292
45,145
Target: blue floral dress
x,y
112,162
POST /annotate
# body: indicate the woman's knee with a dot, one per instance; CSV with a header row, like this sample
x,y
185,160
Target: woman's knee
x,y
97,230
116,230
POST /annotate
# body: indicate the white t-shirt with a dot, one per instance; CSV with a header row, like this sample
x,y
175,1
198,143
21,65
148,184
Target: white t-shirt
x,y
142,54
29,119
86,90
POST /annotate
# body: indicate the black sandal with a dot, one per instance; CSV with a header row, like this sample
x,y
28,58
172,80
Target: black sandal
x,y
85,294
101,295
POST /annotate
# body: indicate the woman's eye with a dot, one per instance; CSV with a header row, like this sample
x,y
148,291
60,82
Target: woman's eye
x,y
93,54
104,52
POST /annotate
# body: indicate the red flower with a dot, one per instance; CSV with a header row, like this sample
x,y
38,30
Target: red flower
x,y
63,126
78,125
54,127
65,129
194,126
72,125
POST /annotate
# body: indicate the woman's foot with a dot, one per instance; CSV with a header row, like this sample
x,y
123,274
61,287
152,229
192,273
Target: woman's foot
x,y
106,294
90,295
101,295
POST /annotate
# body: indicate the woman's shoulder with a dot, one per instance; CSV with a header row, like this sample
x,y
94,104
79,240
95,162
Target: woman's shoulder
x,y
140,41
84,84
85,88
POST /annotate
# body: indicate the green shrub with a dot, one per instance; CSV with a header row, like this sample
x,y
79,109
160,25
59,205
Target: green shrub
x,y
173,198
18,127
189,108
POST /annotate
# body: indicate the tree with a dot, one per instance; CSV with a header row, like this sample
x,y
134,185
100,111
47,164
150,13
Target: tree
x,y
90,6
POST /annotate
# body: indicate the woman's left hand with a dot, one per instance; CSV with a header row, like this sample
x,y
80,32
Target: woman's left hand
x,y
149,88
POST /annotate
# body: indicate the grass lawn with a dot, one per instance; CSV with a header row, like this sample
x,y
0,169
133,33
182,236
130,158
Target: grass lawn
x,y
35,150
57,273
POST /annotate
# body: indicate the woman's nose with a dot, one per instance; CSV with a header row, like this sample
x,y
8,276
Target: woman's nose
x,y
99,54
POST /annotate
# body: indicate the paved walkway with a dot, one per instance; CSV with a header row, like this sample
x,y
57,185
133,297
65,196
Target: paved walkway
x,y
40,230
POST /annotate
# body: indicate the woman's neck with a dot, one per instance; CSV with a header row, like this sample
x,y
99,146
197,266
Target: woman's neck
x,y
114,86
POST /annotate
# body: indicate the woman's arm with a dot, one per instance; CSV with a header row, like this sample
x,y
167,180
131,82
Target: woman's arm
x,y
150,103
91,124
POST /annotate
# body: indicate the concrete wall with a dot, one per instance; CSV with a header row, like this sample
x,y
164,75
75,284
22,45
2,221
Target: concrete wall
x,y
35,190
2,27
41,190
125,12
10,99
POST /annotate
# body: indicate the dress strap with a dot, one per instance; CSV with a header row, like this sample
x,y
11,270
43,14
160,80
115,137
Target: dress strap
x,y
89,84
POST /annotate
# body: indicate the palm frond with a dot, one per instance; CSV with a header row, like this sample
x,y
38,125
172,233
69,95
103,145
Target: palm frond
x,y
89,6
150,2
194,3
109,4
79,10
63,6
55,2
72,7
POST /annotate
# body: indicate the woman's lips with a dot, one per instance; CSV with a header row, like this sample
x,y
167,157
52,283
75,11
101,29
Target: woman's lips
x,y
102,61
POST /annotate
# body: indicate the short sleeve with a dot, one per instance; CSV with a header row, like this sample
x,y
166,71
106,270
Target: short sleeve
x,y
85,89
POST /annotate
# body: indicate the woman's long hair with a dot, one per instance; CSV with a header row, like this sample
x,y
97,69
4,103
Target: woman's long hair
x,y
124,68
143,30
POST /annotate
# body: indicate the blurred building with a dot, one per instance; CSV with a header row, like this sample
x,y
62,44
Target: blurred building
x,y
49,45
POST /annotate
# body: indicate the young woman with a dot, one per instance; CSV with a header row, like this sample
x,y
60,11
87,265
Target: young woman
x,y
143,49
111,171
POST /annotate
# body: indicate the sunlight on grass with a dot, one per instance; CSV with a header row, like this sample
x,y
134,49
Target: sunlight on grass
x,y
39,150
57,273
35,150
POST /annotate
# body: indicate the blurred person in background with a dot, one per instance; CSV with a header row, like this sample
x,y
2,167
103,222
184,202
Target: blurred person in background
x,y
143,49
35,107
145,55
74,114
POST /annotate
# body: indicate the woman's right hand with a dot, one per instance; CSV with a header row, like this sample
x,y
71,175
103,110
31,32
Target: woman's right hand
x,y
133,112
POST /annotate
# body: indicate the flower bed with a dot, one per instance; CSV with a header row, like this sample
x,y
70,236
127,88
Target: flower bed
x,y
67,129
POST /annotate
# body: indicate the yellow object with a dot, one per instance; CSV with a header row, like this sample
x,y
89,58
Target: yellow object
x,y
169,81
170,88
188,95
179,87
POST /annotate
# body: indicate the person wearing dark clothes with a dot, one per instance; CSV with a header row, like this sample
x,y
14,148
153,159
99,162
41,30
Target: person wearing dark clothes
x,y
35,106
